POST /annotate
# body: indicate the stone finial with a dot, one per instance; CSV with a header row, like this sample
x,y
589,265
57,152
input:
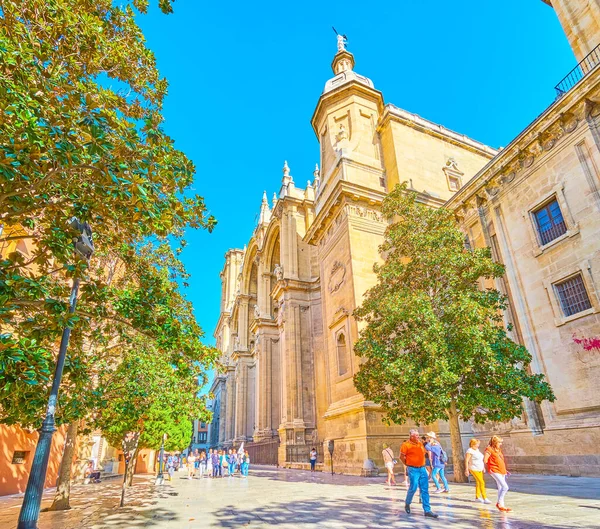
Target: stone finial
x,y
265,212
287,180
274,199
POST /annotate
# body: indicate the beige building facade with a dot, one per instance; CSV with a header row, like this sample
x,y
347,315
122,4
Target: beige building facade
x,y
286,328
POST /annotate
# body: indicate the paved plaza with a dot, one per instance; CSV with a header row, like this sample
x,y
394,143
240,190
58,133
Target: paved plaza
x,y
285,499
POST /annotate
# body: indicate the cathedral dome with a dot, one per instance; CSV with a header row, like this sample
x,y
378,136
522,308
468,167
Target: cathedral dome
x,y
342,66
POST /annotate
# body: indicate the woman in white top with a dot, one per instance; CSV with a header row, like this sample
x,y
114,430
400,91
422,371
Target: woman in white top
x,y
313,459
474,466
388,459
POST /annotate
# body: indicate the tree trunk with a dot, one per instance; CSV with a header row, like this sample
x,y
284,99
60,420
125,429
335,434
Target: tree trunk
x,y
130,451
63,488
458,458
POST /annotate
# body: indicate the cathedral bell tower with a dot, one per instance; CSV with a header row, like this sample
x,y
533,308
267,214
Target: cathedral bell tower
x,y
345,122
347,231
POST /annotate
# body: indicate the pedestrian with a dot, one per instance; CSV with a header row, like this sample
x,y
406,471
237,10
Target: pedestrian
x,y
389,461
191,461
427,460
313,459
474,466
245,463
233,463
225,462
215,463
412,454
494,460
438,459
197,461
171,466
209,465
202,463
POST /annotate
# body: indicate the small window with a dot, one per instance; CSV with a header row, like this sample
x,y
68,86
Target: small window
x,y
550,222
572,295
19,457
453,183
342,354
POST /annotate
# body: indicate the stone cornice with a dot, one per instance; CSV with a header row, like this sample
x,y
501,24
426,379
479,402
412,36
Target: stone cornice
x,y
220,322
353,404
354,193
286,285
393,113
557,122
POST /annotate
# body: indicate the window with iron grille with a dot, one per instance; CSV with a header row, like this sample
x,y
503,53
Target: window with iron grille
x,y
572,295
550,222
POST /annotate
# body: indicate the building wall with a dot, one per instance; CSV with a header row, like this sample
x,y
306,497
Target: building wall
x,y
13,477
556,158
311,258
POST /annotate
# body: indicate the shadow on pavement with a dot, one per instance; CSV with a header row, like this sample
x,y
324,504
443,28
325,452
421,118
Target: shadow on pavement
x,y
100,508
569,487
357,514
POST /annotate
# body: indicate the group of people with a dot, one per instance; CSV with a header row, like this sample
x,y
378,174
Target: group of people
x,y
424,458
216,463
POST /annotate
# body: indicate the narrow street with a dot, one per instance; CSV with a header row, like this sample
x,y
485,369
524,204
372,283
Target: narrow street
x,y
289,499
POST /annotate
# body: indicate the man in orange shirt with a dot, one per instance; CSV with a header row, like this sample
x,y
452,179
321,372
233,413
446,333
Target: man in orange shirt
x,y
412,454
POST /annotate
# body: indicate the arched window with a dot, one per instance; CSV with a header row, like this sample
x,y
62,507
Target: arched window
x,y
342,354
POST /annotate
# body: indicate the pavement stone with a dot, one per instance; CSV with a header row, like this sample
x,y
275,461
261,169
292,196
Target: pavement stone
x,y
295,499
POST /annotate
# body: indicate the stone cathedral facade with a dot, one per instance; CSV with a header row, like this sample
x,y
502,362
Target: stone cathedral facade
x,y
286,329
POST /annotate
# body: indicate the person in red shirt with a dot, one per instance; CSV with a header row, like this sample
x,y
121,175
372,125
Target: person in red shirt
x,y
412,454
494,461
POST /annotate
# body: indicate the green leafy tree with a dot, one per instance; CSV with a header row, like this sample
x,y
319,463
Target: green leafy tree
x,y
81,105
433,343
144,397
81,135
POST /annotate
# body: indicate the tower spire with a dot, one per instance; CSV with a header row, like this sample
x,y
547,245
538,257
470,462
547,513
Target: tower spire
x,y
265,212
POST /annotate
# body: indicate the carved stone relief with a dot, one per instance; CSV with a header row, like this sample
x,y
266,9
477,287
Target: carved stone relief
x,y
336,277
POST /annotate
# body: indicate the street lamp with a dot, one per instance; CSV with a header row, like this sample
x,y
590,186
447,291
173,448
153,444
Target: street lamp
x,y
30,510
160,477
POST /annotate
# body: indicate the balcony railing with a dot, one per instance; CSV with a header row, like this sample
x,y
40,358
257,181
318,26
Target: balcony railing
x,y
589,62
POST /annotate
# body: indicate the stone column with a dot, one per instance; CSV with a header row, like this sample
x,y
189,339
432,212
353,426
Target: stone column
x,y
228,415
241,408
243,322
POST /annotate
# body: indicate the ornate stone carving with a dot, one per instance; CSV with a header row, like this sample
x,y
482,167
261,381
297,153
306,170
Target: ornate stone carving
x,y
336,277
508,177
492,191
278,271
341,42
342,134
525,159
568,122
280,312
453,175
256,311
363,212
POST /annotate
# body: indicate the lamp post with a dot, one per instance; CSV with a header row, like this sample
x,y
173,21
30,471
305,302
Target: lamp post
x,y
160,476
30,510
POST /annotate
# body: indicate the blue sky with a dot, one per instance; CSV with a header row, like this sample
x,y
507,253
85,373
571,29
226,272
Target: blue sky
x,y
245,78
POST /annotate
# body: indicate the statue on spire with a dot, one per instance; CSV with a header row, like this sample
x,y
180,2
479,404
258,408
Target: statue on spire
x,y
342,40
